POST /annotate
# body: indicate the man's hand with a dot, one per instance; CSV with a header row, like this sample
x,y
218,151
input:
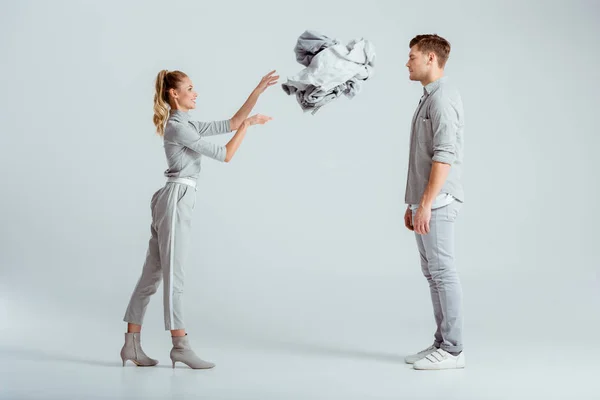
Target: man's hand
x,y
266,81
421,220
408,219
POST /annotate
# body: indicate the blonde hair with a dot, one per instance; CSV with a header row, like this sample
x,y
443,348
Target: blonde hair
x,y
165,81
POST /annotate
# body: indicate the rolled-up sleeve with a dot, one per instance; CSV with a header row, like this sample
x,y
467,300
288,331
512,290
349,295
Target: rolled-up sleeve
x,y
444,120
212,127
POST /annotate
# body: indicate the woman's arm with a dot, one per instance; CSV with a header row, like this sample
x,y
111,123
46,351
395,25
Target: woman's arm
x,y
242,114
237,139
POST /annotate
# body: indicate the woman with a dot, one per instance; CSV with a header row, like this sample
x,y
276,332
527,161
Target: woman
x,y
172,207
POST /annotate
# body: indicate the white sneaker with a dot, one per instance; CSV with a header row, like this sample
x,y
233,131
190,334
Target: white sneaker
x,y
416,357
440,359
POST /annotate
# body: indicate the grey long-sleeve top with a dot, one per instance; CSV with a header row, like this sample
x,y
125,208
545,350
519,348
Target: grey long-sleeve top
x,y
184,144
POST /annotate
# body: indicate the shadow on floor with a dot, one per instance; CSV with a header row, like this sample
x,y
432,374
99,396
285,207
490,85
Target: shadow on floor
x,y
44,356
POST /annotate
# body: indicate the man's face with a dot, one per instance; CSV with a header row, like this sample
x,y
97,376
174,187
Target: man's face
x,y
418,64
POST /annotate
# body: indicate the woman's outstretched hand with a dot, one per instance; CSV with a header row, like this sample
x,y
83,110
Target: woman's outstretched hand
x,y
266,81
258,119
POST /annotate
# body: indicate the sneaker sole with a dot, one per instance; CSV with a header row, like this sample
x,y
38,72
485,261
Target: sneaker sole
x,y
438,369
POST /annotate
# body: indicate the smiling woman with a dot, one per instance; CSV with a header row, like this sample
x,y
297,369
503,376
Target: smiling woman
x,y
172,207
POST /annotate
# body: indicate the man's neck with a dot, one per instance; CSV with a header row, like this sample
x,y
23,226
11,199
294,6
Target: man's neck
x,y
433,77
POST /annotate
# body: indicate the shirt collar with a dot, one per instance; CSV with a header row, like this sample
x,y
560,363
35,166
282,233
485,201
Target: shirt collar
x,y
180,115
432,87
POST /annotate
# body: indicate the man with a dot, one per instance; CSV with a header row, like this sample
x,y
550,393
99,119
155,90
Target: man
x,y
434,195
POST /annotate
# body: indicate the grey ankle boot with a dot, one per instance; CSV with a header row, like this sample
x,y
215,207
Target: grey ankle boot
x,y
182,352
132,350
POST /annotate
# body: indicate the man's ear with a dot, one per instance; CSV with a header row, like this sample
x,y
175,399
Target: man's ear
x,y
431,57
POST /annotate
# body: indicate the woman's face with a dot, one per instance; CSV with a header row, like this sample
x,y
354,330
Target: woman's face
x,y
185,95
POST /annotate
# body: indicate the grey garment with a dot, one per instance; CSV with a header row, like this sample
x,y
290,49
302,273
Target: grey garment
x,y
172,207
436,251
309,44
313,97
185,145
437,134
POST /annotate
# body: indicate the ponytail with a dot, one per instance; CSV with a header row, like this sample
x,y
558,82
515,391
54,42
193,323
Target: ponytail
x,y
161,102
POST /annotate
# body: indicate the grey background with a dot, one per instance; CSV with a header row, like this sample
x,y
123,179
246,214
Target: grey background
x,y
302,282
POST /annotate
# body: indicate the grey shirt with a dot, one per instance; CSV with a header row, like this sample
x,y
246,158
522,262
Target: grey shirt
x,y
184,144
436,135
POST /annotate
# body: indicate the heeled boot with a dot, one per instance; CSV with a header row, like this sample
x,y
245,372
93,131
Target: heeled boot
x,y
132,350
183,352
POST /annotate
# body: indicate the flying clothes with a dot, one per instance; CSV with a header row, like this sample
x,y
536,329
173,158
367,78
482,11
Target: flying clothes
x,y
332,69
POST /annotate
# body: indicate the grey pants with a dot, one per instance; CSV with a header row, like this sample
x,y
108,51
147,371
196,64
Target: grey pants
x,y
172,207
437,263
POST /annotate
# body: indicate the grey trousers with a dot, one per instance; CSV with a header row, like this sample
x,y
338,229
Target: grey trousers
x,y
172,207
437,263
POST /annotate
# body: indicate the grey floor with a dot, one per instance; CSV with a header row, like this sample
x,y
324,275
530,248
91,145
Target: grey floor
x,y
346,343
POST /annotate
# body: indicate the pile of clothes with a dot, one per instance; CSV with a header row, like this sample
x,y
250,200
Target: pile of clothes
x,y
332,69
